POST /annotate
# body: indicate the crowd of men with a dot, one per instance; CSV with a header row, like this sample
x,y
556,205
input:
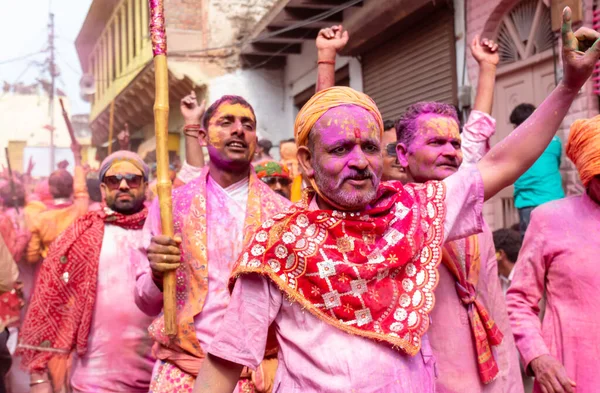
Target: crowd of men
x,y
359,262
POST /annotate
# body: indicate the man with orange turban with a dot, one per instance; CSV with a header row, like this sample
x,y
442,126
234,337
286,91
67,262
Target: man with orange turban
x,y
559,260
346,276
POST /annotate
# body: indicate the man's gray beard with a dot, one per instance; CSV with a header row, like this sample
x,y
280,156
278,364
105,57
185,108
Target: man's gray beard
x,y
350,202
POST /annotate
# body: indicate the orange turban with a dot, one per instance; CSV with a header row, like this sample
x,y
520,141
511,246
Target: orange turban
x,y
583,148
326,99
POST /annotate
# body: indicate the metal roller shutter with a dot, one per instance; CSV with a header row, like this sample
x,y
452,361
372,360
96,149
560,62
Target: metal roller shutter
x,y
419,65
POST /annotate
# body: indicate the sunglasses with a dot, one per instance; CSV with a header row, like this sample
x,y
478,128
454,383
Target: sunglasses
x,y
272,180
390,149
114,182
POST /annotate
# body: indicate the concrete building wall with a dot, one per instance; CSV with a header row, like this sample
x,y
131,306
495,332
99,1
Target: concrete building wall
x,y
483,16
23,119
263,89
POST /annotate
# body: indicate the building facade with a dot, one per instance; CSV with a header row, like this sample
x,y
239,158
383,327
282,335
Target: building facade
x,y
114,49
25,131
401,52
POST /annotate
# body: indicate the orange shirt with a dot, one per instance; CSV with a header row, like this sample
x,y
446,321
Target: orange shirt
x,y
45,226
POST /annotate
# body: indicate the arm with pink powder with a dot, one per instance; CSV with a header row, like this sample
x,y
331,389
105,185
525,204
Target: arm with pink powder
x,y
148,296
516,153
329,42
481,126
232,347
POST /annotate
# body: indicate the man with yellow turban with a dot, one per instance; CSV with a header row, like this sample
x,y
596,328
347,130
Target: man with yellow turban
x,y
559,260
346,276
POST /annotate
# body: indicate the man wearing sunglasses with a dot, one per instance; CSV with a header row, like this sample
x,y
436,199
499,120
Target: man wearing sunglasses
x,y
83,300
276,176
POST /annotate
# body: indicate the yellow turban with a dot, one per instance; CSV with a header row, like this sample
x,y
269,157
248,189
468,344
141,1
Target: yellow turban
x,y
326,99
583,148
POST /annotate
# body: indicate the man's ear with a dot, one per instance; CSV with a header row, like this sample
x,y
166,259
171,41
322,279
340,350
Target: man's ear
x,y
203,137
103,191
402,153
501,255
304,156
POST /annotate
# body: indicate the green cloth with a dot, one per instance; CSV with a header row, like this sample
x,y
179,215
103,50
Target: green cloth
x,y
542,182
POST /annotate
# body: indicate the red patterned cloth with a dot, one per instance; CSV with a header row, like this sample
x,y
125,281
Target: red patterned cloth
x,y
60,313
370,273
465,266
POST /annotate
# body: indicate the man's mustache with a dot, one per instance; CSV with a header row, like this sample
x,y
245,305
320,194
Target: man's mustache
x,y
360,175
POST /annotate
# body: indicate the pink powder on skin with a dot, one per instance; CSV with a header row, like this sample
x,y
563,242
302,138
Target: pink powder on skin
x,y
347,157
434,153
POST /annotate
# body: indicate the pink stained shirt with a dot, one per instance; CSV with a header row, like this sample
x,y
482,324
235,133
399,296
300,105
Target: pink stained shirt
x,y
317,357
450,330
559,257
119,348
475,137
226,210
451,335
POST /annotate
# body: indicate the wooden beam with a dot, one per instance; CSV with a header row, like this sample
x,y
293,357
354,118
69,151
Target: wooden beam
x,y
318,4
291,16
266,20
260,61
372,23
268,49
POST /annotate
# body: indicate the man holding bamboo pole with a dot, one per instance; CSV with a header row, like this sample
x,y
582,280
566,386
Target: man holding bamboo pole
x,y
213,215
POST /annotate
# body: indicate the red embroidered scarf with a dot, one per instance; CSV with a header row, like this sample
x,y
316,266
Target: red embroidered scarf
x,y
371,273
60,312
465,265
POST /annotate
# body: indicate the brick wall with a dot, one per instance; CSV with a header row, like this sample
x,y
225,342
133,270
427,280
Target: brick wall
x,y
483,17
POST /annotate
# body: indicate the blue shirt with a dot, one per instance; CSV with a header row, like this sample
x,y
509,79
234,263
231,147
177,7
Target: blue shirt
x,y
542,182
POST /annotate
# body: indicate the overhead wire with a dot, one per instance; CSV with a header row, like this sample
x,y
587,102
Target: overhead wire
x,y
14,59
295,26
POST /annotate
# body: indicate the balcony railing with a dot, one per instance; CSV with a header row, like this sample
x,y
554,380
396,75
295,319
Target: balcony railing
x,y
121,52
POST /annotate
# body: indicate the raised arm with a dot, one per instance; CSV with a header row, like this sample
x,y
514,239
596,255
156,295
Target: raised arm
x,y
510,158
81,197
329,42
485,52
192,116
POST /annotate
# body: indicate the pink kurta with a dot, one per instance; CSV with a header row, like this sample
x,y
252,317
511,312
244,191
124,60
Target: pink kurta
x,y
560,257
315,357
451,335
119,357
225,216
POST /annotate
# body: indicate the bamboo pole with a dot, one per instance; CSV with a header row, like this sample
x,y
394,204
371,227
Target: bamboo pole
x,y
68,122
111,126
161,123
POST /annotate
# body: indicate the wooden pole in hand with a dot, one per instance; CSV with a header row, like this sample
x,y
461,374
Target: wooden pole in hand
x,y
161,122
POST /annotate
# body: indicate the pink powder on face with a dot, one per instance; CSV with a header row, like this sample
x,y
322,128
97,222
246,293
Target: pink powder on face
x,y
347,156
434,152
